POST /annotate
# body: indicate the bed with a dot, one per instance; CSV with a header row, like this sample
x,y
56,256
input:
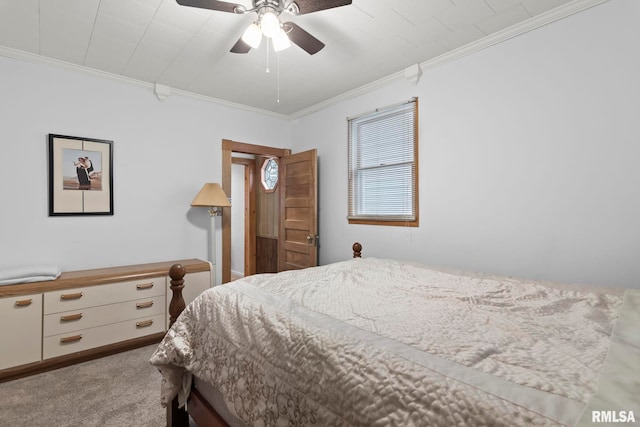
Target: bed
x,y
380,342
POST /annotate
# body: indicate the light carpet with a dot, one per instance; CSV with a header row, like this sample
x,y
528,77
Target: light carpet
x,y
118,390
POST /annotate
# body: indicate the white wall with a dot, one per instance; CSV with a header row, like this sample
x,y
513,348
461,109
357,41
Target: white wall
x,y
163,152
529,155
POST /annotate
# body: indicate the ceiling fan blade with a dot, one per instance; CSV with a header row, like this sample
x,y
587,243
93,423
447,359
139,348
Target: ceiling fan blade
x,y
221,6
302,38
240,47
308,6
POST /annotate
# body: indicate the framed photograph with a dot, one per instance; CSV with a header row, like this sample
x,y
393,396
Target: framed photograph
x,y
80,176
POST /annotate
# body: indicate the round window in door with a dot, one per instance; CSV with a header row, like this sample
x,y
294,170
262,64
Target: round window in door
x,y
270,174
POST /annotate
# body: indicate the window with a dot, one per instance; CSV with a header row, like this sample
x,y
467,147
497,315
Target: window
x,y
383,166
269,175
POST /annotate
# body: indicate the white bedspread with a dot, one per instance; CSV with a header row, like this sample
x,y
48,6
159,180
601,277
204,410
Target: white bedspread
x,y
372,342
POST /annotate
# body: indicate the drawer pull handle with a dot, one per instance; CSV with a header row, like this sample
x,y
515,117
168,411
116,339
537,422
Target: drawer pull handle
x,y
144,323
77,295
74,338
144,285
144,304
70,317
24,302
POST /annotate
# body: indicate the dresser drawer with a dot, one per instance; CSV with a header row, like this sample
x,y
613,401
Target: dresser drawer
x,y
84,339
21,330
90,296
68,321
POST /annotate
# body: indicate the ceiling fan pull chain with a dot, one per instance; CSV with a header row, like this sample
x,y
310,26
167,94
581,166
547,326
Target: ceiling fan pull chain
x,y
278,76
267,70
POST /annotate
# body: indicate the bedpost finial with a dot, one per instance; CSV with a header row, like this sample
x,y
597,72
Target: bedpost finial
x,y
357,250
177,272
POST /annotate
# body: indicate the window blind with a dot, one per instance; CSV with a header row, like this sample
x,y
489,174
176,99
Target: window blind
x,y
383,164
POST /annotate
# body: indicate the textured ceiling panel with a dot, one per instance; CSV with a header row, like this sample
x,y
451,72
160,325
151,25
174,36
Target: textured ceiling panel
x,y
159,41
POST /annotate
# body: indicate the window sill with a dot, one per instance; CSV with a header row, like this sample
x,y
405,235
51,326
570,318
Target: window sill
x,y
414,223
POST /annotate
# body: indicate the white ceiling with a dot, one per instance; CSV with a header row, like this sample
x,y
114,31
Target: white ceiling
x,y
187,49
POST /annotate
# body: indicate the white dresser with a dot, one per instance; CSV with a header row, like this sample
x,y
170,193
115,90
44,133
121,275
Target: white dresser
x,y
87,314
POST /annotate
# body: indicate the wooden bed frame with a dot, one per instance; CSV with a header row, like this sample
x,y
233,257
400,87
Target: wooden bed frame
x,y
199,409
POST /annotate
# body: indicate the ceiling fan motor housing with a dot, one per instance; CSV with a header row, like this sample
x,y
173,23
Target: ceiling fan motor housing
x,y
274,6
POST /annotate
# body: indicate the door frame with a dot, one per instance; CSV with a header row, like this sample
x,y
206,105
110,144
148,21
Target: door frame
x,y
228,148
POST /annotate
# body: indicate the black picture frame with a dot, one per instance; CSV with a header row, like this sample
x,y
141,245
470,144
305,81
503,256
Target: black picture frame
x,y
80,176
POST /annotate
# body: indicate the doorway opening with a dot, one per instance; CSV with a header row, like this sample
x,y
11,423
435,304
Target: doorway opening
x,y
239,159
289,236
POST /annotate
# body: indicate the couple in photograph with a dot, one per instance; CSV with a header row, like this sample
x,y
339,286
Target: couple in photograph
x,y
84,167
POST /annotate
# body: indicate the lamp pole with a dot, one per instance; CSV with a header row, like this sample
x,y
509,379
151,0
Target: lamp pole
x,y
213,197
213,213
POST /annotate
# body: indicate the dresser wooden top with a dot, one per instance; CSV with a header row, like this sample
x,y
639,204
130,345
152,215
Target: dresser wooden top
x,y
101,276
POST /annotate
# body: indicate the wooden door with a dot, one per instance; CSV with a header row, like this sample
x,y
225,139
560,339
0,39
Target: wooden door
x,y
298,237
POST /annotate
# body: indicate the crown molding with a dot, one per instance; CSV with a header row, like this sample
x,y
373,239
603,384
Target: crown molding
x,y
35,58
523,27
538,21
533,23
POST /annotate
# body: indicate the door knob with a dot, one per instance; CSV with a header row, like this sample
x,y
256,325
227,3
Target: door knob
x,y
313,240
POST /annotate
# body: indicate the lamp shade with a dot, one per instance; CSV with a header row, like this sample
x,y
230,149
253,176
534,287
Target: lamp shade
x,y
280,41
252,36
270,24
211,195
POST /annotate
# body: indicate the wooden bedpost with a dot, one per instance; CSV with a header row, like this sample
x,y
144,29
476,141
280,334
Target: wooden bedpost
x,y
177,304
357,250
176,416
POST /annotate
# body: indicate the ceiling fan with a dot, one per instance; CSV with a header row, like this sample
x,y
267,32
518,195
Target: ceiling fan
x,y
268,22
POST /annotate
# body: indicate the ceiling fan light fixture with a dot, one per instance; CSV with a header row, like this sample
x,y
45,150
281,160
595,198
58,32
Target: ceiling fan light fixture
x,y
281,41
252,36
270,24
